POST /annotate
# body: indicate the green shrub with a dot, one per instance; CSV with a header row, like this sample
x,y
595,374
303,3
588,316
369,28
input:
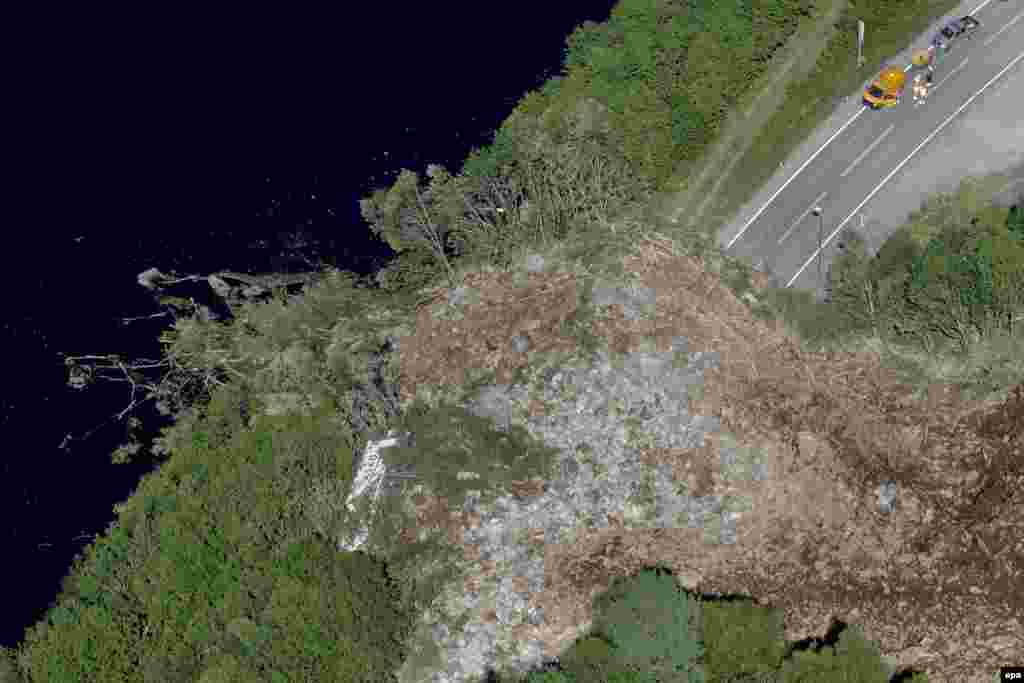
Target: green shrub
x,y
653,626
851,660
8,668
1015,221
741,638
333,614
490,160
549,677
589,659
895,256
81,644
817,323
630,676
772,22
449,439
950,260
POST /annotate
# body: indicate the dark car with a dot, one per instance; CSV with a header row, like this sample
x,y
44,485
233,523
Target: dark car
x,y
955,29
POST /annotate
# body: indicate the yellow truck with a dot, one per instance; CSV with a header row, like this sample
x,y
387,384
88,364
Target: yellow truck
x,y
886,90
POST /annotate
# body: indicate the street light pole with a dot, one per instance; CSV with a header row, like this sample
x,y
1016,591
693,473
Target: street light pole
x,y
860,43
821,229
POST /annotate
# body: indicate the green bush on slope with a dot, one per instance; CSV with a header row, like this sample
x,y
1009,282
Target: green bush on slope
x,y
949,278
851,660
653,627
670,71
589,659
449,439
8,670
646,629
741,639
1015,221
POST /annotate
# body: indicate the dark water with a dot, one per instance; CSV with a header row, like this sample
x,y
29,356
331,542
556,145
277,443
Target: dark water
x,y
197,143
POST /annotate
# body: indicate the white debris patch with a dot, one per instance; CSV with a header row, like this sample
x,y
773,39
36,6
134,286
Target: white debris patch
x,y
368,480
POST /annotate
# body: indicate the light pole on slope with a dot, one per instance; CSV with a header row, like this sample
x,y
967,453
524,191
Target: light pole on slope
x,y
860,43
821,228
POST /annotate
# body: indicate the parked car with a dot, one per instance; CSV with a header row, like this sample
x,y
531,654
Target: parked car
x,y
953,30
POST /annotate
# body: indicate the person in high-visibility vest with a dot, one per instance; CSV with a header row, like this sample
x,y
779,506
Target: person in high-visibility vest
x,y
920,89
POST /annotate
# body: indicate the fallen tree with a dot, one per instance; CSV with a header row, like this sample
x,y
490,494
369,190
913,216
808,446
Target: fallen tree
x,y
178,380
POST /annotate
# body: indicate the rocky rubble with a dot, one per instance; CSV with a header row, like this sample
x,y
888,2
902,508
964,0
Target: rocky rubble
x,y
648,389
592,491
816,482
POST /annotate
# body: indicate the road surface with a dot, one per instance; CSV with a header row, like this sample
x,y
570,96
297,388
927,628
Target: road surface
x,y
866,155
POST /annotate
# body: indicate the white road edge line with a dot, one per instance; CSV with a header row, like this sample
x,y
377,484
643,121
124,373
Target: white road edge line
x,y
860,157
792,177
827,142
902,164
996,34
801,217
946,77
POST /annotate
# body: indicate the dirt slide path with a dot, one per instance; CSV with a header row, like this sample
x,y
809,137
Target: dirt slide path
x,y
791,63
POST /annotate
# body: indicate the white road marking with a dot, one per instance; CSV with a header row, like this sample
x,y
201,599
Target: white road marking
x,y
996,34
860,157
902,164
792,177
802,216
944,78
978,8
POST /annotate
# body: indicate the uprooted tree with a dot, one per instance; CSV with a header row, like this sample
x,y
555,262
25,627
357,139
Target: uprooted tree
x,y
188,372
542,175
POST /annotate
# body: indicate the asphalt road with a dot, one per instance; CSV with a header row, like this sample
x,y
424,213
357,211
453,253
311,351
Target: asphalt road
x,y
869,149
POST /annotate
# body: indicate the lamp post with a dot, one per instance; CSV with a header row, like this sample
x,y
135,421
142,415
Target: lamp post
x,y
860,43
821,228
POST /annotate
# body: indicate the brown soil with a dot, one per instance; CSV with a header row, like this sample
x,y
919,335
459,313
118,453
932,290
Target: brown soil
x,y
937,583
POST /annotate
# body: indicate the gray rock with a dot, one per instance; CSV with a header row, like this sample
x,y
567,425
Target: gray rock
x,y
535,263
458,296
887,491
631,301
520,344
647,385
494,402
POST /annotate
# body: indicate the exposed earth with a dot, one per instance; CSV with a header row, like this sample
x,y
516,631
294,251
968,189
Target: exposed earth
x,y
881,507
874,505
